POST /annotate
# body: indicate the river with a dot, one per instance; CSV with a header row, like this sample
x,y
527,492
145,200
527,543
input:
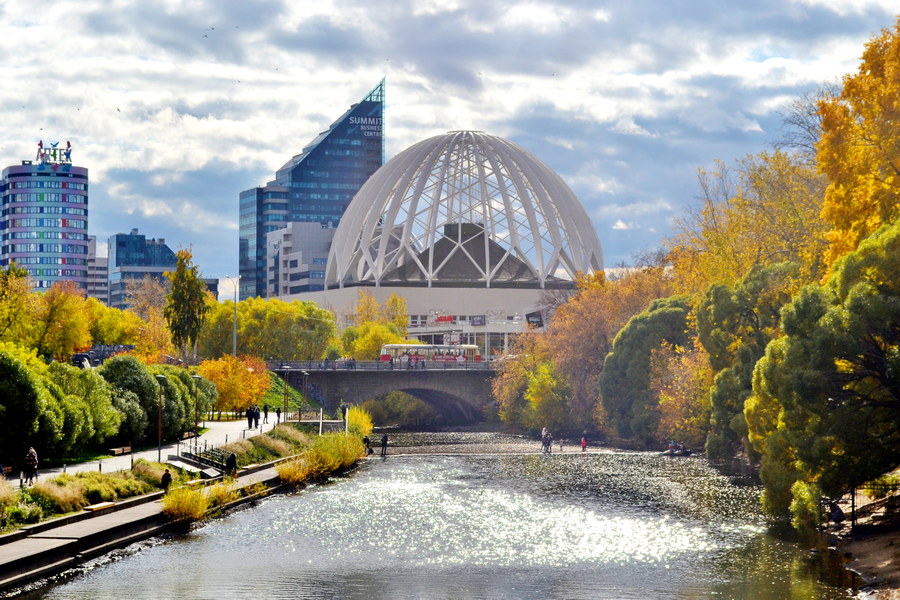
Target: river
x,y
527,525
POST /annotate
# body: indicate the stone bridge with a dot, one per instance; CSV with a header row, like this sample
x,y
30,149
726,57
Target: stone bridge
x,y
458,392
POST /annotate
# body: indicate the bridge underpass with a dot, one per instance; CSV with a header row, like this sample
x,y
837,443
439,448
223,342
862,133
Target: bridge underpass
x,y
458,393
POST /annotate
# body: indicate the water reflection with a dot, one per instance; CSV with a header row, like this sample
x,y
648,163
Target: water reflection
x,y
611,525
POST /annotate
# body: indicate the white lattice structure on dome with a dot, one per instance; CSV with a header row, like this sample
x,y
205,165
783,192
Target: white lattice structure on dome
x,y
460,210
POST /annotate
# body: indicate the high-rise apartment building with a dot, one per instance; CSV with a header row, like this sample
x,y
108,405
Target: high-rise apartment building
x,y
98,273
43,217
296,258
133,256
314,186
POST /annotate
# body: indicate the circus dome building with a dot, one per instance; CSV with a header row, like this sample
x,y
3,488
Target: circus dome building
x,y
463,224
464,209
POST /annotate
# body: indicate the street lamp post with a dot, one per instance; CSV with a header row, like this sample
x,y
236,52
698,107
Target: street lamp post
x,y
197,379
303,388
286,369
159,379
235,281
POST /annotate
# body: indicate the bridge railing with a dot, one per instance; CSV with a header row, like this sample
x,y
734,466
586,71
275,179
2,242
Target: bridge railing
x,y
377,365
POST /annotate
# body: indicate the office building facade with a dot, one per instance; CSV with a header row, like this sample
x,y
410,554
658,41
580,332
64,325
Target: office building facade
x,y
98,273
133,256
315,186
43,218
296,257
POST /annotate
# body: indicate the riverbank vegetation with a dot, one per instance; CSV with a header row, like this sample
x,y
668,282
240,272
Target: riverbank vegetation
x,y
766,327
64,493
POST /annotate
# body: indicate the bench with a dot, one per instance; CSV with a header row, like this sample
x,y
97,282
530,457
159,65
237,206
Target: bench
x,y
99,506
7,471
120,450
188,435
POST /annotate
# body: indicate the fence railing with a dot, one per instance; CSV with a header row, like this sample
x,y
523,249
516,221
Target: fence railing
x,y
377,365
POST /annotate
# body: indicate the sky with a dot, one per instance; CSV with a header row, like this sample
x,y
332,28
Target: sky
x,y
176,106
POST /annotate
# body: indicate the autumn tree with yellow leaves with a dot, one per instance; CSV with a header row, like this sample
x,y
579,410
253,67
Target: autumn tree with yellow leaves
x,y
859,151
240,380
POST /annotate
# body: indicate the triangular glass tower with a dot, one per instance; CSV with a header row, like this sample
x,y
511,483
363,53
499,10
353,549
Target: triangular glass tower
x,y
316,185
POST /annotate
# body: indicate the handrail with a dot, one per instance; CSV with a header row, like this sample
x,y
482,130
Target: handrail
x,y
377,365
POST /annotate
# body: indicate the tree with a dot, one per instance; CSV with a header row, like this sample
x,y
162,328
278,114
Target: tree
x,y
186,306
371,337
510,382
734,324
859,150
268,327
22,401
680,377
113,326
147,295
61,321
548,399
241,381
91,390
828,392
581,332
628,400
395,313
367,308
801,124
127,374
763,211
14,294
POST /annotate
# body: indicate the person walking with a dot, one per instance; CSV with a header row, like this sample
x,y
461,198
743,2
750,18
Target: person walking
x,y
583,443
265,413
278,415
31,466
384,443
249,417
165,481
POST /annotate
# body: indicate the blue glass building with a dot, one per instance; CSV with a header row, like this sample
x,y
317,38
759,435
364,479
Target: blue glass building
x,y
133,256
316,185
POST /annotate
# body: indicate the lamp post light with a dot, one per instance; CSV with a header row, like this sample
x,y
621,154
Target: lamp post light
x,y
235,281
197,379
159,379
286,369
303,388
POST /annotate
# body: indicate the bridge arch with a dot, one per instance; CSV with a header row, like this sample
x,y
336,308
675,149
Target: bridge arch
x,y
460,394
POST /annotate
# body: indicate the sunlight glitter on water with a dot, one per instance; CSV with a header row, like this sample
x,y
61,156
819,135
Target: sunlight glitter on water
x,y
443,522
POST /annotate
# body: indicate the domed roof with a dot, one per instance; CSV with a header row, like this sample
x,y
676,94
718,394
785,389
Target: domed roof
x,y
464,209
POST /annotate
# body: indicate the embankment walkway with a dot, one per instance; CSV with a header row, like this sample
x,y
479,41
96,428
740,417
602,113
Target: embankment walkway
x,y
56,545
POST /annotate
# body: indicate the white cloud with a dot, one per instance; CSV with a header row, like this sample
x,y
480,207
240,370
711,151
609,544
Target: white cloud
x,y
624,100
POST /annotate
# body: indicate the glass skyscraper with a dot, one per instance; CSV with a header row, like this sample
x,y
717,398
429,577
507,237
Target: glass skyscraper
x,y
43,221
133,256
314,186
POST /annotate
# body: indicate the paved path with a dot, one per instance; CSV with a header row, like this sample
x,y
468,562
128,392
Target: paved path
x,y
219,434
47,548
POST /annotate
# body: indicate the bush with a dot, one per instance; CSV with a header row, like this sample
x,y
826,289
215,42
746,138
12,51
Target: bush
x,y
805,510
277,448
290,434
360,422
185,504
56,496
222,493
24,513
8,495
147,471
298,471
